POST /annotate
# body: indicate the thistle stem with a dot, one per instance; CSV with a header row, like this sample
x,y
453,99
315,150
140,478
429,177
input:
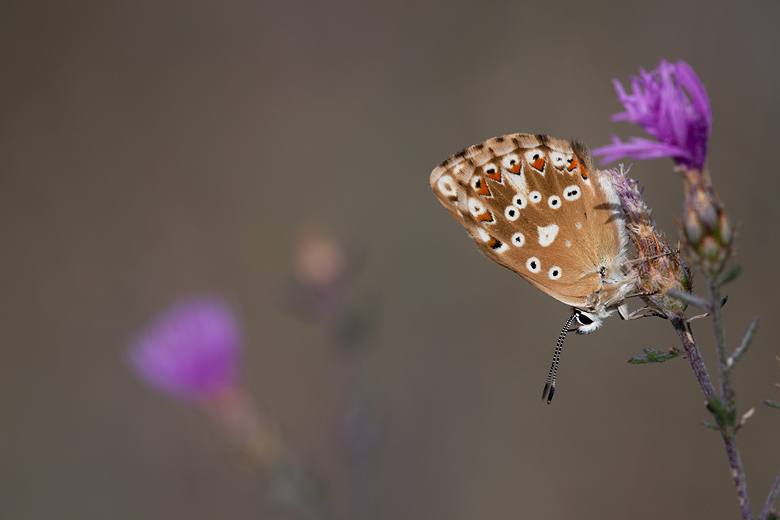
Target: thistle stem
x,y
727,431
683,329
770,499
737,472
719,329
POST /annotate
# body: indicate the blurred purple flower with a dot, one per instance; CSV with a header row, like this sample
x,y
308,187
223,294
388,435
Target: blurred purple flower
x,y
192,351
671,104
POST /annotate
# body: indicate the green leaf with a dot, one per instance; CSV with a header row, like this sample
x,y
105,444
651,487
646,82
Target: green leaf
x,y
708,424
747,339
722,415
773,404
730,275
656,356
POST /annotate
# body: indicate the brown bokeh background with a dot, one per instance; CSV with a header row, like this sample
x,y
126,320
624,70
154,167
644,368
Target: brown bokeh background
x,y
149,150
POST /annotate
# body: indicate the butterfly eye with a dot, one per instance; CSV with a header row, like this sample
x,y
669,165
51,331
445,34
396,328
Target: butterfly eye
x,y
533,265
554,273
571,193
535,196
583,319
511,213
554,202
519,201
518,239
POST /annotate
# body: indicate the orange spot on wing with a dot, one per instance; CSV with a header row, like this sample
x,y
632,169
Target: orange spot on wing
x,y
573,164
515,168
496,175
494,243
482,188
485,217
539,163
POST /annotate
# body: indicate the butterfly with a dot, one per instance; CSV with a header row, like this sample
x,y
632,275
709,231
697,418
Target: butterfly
x,y
536,205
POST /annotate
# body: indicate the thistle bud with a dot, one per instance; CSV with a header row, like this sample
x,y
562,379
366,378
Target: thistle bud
x,y
705,226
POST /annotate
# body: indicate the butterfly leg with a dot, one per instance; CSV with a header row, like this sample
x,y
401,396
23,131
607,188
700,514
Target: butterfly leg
x,y
648,258
644,312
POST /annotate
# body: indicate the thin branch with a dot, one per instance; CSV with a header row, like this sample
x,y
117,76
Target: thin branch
x,y
719,329
770,500
726,427
738,474
683,330
747,339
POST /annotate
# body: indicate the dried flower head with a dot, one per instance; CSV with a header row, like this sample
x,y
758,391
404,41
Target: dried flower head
x,y
671,104
659,268
192,351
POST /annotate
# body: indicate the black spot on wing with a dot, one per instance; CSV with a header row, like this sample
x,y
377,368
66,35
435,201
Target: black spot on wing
x,y
616,211
543,138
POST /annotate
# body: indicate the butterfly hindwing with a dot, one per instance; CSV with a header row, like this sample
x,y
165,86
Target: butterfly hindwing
x,y
536,205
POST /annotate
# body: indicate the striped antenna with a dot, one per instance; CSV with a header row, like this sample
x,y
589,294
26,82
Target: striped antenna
x,y
550,386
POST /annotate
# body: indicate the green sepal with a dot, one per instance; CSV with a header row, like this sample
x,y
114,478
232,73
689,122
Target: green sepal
x,y
730,275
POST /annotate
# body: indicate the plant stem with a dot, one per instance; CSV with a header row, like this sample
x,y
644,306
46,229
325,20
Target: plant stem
x,y
737,472
770,499
719,329
683,329
727,431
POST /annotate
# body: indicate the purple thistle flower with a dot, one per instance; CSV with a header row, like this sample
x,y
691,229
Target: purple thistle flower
x,y
192,351
671,104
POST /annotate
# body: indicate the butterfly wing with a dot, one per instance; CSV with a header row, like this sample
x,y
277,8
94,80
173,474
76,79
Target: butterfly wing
x,y
537,206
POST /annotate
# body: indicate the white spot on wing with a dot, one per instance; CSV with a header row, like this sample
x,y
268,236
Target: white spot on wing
x,y
547,234
490,169
533,264
571,193
447,186
535,196
558,159
518,239
483,234
578,225
554,273
517,181
475,207
554,202
519,201
568,244
512,213
531,156
500,249
510,161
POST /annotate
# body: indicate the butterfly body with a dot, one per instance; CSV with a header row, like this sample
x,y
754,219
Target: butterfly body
x,y
536,205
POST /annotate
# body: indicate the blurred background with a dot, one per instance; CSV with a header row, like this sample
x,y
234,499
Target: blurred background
x,y
151,150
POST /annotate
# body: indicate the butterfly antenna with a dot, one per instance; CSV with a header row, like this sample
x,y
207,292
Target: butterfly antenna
x,y
550,386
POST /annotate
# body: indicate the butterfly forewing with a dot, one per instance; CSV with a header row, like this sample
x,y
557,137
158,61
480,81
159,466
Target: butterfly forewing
x,y
536,205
